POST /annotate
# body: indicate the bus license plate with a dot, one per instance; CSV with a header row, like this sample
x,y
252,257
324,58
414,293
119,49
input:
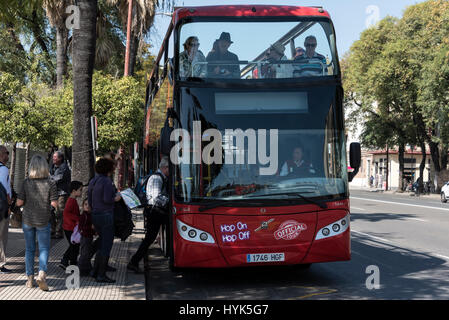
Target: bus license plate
x,y
265,257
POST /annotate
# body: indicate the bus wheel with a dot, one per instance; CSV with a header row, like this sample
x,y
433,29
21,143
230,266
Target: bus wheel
x,y
171,261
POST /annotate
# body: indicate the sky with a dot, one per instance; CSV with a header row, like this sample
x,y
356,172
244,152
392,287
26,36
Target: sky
x,y
350,17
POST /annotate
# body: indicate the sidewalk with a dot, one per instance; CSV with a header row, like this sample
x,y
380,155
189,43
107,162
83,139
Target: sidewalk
x,y
394,192
128,285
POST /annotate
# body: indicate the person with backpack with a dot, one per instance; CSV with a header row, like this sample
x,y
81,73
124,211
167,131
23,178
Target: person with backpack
x,y
156,211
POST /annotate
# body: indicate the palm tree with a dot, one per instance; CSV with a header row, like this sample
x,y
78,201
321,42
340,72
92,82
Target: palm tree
x,y
143,17
55,10
83,57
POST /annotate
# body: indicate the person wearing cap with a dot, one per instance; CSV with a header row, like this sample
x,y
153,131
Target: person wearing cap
x,y
228,69
314,61
191,59
276,70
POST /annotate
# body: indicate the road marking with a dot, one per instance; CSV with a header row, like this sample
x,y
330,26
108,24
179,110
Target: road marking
x,y
366,234
388,241
441,256
357,208
422,220
404,204
312,294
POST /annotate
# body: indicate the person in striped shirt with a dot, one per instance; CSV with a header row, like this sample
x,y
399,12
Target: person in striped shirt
x,y
155,211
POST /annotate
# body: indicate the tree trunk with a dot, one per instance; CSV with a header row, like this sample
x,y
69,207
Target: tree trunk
x,y
83,64
131,166
121,168
435,155
133,53
422,166
61,55
12,172
27,159
401,166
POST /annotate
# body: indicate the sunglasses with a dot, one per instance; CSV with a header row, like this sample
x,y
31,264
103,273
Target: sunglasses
x,y
311,45
194,44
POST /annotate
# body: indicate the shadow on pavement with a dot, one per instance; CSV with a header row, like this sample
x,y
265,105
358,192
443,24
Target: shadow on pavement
x,y
404,274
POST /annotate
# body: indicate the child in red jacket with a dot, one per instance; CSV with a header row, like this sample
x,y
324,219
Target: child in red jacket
x,y
70,219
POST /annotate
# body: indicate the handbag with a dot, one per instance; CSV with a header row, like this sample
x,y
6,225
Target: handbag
x,y
76,235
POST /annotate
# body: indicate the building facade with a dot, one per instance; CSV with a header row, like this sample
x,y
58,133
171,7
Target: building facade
x,y
374,164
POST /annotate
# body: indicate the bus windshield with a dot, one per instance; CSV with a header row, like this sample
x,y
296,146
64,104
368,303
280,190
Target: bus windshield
x,y
270,143
256,49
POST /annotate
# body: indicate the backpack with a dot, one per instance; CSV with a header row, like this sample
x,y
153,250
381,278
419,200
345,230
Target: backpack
x,y
142,189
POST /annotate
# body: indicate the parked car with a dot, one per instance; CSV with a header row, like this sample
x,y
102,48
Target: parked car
x,y
445,192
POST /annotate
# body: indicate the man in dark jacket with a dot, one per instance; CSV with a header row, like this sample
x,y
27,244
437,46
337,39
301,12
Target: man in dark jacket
x,y
60,173
230,67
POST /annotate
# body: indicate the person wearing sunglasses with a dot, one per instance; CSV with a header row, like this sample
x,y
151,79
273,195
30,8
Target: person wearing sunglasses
x,y
312,62
192,60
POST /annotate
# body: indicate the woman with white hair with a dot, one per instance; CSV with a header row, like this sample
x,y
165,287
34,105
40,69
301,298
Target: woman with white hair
x,y
37,195
192,60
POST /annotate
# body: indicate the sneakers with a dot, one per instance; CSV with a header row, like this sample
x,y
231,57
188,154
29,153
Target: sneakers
x,y
30,281
5,270
42,281
133,267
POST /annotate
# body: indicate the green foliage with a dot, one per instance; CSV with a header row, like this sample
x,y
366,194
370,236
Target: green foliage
x,y
118,106
397,75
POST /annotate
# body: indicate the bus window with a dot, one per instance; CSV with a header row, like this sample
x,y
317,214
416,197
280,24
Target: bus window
x,y
229,50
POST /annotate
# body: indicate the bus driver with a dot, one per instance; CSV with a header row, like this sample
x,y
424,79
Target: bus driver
x,y
297,166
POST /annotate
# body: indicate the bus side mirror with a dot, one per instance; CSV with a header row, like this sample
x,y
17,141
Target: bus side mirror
x,y
355,158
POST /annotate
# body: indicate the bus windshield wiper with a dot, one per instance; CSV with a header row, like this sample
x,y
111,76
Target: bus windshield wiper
x,y
320,204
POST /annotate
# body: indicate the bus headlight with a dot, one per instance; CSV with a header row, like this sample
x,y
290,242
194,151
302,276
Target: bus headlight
x,y
334,229
193,234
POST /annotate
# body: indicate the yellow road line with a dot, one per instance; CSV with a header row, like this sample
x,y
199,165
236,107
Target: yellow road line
x,y
313,294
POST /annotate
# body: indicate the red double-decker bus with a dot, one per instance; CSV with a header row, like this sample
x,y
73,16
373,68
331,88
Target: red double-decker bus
x,y
247,103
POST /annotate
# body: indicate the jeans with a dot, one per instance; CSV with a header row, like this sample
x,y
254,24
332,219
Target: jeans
x,y
43,238
104,225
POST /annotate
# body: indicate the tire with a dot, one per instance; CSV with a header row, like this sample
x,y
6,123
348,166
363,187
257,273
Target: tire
x,y
163,240
443,197
170,253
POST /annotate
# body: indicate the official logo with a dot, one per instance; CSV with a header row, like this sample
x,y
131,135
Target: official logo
x,y
264,225
289,230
